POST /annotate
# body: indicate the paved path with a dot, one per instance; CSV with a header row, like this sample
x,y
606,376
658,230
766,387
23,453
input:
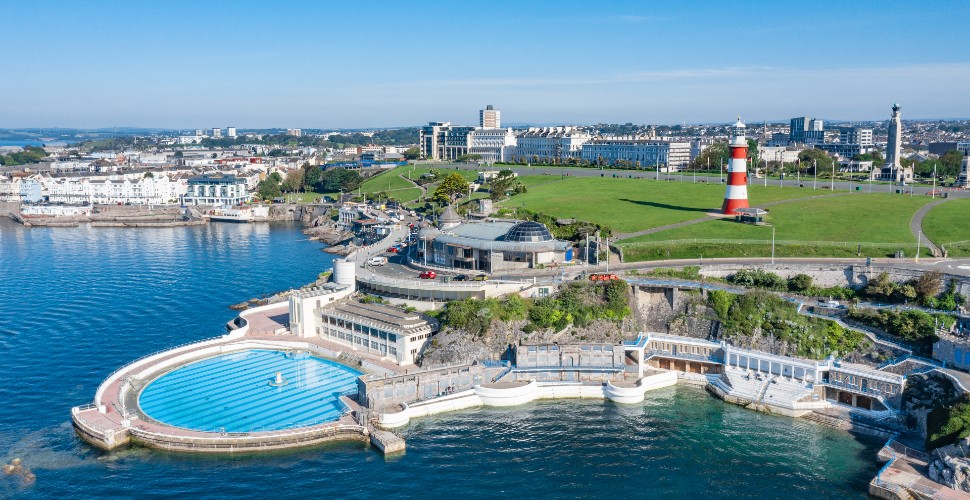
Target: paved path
x,y
424,192
916,227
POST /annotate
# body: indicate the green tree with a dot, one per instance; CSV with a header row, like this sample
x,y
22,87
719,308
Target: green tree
x,y
268,188
714,155
816,157
293,182
412,153
505,183
753,154
449,188
950,162
149,175
311,177
799,283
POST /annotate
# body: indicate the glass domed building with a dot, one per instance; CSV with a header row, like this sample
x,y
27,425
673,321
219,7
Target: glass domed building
x,y
490,246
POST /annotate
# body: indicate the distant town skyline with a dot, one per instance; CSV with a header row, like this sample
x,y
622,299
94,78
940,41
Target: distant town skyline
x,y
184,65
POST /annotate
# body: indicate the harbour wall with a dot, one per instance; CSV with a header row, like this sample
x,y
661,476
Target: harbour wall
x,y
514,394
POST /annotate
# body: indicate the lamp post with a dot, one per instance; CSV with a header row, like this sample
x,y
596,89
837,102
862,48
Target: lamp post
x,y
814,174
833,176
933,192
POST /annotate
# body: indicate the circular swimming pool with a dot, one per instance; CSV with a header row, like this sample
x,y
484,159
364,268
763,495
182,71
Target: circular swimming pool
x,y
250,391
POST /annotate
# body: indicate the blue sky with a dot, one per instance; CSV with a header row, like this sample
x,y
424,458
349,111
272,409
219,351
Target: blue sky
x,y
316,64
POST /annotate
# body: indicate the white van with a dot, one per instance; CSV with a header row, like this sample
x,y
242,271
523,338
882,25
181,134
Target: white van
x,y
377,261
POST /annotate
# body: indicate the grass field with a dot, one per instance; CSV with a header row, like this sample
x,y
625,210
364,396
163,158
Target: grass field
x,y
949,223
823,227
393,184
629,205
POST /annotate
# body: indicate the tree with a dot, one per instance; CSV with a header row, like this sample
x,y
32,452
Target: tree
x,y
504,183
714,155
339,179
311,177
950,162
815,157
799,283
293,182
412,153
449,188
268,188
149,175
928,285
753,151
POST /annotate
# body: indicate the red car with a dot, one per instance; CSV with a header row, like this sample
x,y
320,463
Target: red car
x,y
428,275
393,250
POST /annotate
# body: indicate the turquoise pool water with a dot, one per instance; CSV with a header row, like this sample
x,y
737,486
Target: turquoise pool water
x,y
233,392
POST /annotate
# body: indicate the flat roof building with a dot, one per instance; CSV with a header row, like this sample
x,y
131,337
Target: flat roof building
x,y
377,329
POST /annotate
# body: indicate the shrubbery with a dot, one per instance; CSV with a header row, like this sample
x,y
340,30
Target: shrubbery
x,y
767,314
926,290
799,283
947,425
686,273
577,303
913,326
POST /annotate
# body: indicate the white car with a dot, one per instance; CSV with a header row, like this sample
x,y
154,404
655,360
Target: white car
x,y
377,261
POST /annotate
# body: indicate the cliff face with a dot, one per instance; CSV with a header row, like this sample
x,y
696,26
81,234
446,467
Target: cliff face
x,y
454,346
673,311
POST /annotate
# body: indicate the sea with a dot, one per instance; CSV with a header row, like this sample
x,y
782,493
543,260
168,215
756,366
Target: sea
x,y
76,303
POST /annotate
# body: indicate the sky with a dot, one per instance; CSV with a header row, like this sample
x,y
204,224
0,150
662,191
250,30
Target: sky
x,y
319,64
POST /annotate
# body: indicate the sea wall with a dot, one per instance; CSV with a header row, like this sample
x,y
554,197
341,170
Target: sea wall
x,y
827,275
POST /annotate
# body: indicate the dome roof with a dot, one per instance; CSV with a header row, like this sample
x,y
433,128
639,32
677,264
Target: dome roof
x,y
528,232
449,216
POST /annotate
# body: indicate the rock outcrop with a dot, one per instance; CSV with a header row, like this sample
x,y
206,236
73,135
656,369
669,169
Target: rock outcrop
x,y
950,465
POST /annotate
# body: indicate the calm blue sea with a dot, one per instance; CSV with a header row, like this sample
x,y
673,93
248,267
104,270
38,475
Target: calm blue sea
x,y
20,143
75,303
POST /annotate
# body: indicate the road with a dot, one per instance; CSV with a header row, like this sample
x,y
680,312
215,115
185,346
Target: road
x,y
820,185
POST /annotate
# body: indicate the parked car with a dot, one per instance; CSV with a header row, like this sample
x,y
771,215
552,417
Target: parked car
x,y
603,277
428,275
480,277
460,277
393,250
377,261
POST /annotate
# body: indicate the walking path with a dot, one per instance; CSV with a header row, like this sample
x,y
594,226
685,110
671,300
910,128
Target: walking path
x,y
916,227
424,191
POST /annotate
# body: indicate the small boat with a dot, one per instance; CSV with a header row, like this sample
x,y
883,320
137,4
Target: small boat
x,y
242,213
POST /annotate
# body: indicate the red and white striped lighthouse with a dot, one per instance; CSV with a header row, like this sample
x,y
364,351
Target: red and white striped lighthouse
x,y
736,195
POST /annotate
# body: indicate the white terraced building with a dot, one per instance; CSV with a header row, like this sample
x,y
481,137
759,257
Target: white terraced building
x,y
640,152
491,144
114,190
550,143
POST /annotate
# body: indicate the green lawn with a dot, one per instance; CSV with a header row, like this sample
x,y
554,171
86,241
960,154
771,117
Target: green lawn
x,y
629,205
824,227
393,184
949,223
